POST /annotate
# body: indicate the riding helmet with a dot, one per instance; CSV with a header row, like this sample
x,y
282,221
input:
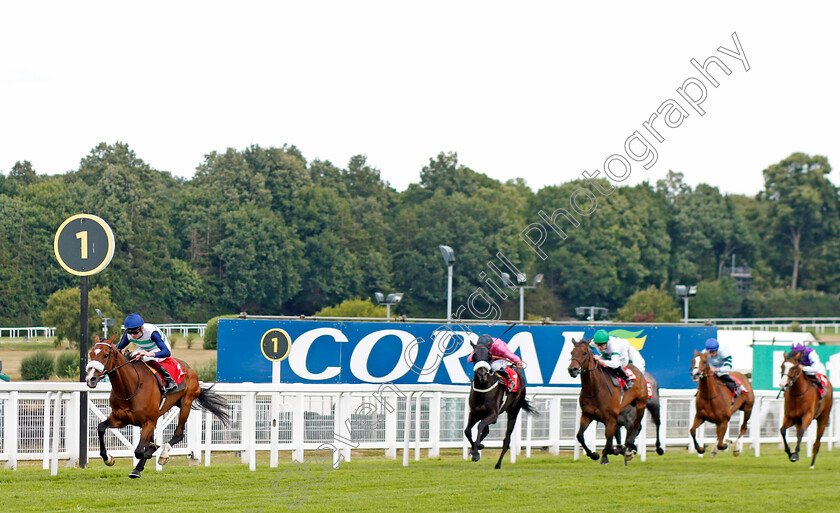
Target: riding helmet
x,y
601,337
485,340
133,321
712,344
797,347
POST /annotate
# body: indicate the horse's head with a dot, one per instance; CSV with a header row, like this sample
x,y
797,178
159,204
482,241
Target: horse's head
x,y
791,370
102,358
481,368
582,359
699,366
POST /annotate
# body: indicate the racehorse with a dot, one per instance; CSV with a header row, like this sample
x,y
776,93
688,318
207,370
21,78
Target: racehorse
x,y
602,401
489,399
136,400
802,405
714,403
627,418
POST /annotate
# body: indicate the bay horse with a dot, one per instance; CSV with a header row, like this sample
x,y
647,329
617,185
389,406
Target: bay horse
x,y
489,398
714,403
136,400
802,405
602,401
627,418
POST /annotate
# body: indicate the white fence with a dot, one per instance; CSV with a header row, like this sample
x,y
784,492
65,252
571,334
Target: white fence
x,y
46,331
278,417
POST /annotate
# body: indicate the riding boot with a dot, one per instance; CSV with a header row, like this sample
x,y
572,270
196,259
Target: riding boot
x,y
169,384
629,381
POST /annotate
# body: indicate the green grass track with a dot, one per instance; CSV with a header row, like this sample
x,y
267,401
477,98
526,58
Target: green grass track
x,y
676,482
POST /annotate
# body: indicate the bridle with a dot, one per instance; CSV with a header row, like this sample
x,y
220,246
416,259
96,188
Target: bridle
x,y
791,379
702,374
108,372
587,360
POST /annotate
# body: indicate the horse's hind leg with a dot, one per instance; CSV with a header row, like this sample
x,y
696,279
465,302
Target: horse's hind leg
x,y
822,421
653,408
511,422
584,423
178,435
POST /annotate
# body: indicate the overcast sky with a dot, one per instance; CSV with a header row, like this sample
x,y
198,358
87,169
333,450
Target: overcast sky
x,y
538,90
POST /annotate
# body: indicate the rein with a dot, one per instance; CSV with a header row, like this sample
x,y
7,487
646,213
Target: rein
x,y
108,372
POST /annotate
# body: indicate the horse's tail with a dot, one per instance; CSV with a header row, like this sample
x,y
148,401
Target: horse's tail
x,y
214,403
528,407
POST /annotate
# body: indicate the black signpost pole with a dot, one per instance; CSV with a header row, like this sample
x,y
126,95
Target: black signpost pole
x,y
83,353
83,245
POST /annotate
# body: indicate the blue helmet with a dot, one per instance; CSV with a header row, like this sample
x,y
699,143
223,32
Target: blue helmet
x,y
712,344
133,321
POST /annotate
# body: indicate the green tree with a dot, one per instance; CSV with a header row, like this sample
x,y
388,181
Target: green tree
x,y
802,209
353,308
649,305
63,312
716,298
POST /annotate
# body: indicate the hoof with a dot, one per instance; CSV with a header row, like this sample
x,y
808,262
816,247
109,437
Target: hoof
x,y
475,455
499,465
594,456
660,451
110,461
723,447
134,474
605,461
735,452
629,455
794,457
163,461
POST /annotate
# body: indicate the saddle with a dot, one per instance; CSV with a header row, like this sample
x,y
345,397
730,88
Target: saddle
x,y
622,383
823,381
510,378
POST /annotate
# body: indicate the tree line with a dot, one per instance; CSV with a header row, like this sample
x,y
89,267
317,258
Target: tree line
x,y
265,231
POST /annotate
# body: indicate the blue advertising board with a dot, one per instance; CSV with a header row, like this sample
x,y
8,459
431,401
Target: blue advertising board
x,y
414,353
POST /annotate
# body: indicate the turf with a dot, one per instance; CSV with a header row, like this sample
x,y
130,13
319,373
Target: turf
x,y
677,481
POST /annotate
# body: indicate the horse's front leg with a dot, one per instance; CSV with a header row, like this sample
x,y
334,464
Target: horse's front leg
x,y
144,449
693,432
584,423
111,422
484,429
471,421
609,431
720,429
786,423
800,432
511,423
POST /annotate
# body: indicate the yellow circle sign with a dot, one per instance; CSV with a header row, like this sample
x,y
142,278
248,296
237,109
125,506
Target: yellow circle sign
x,y
84,244
276,344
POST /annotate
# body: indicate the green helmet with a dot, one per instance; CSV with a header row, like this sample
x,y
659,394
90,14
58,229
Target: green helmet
x,y
601,337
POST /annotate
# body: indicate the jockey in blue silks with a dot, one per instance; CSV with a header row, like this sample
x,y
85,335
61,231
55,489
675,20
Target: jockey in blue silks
x,y
720,362
152,345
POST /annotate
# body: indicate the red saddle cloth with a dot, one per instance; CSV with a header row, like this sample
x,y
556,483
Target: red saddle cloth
x,y
650,389
824,380
509,376
739,387
174,368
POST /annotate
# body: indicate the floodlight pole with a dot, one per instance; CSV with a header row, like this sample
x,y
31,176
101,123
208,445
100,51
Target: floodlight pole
x,y
449,294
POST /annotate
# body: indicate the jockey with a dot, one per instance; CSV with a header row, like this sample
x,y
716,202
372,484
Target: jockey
x,y
720,362
810,363
503,358
617,353
152,346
